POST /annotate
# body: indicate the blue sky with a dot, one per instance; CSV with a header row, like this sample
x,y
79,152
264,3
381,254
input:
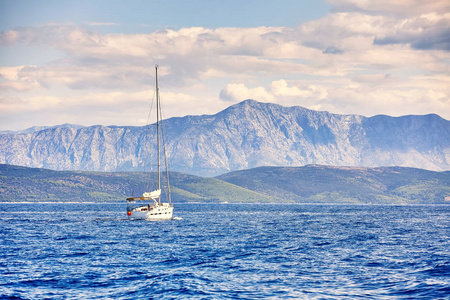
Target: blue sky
x,y
92,62
162,13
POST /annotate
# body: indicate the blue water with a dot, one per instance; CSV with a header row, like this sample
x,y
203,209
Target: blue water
x,y
228,251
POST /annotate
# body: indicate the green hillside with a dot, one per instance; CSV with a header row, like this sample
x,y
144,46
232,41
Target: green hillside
x,y
309,184
35,185
325,184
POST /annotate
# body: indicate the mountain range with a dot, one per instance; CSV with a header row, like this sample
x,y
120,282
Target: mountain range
x,y
246,135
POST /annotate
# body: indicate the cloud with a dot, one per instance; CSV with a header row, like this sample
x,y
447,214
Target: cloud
x,y
17,78
354,31
105,108
116,60
336,29
425,32
366,94
239,92
323,47
311,92
24,78
15,105
9,38
424,25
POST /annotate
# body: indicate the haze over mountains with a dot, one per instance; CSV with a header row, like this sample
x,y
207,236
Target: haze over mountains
x,y
243,136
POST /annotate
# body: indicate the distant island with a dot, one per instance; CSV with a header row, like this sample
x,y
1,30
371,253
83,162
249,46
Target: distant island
x,y
308,184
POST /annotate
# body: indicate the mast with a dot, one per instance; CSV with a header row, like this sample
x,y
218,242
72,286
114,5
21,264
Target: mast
x,y
157,131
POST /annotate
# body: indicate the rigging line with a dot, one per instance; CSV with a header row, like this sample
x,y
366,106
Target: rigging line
x,y
165,160
151,108
163,118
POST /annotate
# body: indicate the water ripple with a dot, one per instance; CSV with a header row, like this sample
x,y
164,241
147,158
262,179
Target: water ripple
x,y
225,252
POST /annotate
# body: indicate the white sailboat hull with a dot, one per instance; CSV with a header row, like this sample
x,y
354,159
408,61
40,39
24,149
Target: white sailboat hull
x,y
163,211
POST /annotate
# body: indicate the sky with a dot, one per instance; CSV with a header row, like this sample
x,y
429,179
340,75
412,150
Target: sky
x,y
92,62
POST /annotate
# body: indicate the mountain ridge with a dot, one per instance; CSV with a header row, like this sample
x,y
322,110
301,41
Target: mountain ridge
x,y
245,135
40,128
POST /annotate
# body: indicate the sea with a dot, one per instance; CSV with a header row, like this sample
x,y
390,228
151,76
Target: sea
x,y
225,251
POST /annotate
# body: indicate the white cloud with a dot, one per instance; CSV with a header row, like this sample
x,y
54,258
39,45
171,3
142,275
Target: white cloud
x,y
428,31
106,108
9,105
366,94
355,31
337,44
239,92
10,73
16,78
280,88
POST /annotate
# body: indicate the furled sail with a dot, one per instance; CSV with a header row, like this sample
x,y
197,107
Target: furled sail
x,y
154,194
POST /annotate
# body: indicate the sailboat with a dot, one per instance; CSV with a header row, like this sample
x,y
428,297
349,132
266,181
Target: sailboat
x,y
150,206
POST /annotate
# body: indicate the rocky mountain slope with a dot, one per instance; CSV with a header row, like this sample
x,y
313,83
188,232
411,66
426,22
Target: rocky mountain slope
x,y
245,135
